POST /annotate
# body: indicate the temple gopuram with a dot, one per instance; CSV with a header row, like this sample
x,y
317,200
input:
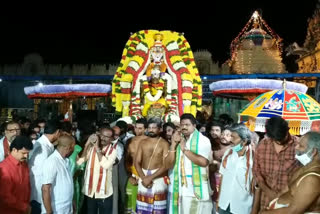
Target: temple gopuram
x,y
256,50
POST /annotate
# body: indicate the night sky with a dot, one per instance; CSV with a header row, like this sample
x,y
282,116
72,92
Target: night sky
x,y
98,37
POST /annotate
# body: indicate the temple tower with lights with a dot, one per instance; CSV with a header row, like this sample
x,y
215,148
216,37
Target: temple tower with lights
x,y
256,49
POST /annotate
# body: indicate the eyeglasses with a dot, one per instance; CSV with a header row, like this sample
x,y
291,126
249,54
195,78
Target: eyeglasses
x,y
105,137
13,130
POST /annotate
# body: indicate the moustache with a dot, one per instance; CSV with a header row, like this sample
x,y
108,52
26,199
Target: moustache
x,y
151,134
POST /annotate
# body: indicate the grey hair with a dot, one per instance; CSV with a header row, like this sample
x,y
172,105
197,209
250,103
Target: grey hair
x,y
313,141
255,138
243,132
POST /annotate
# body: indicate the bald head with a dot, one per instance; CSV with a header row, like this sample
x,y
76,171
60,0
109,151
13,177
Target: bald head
x,y
65,141
66,145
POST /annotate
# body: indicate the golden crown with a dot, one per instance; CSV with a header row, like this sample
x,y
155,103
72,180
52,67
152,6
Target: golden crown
x,y
158,37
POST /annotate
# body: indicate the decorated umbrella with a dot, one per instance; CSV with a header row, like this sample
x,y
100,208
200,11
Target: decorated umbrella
x,y
67,92
300,110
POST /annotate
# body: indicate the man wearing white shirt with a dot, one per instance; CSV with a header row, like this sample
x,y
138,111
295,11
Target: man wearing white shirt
x,y
188,158
12,129
236,193
100,156
57,180
43,148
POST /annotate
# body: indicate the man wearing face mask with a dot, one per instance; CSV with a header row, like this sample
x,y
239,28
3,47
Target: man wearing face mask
x,y
303,195
236,194
57,179
274,160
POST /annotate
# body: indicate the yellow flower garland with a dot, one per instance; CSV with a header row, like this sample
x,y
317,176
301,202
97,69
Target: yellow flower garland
x,y
174,42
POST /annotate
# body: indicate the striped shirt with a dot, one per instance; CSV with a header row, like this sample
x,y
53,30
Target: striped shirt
x,y
95,170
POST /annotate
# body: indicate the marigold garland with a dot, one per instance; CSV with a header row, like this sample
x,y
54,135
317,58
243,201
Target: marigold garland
x,y
178,62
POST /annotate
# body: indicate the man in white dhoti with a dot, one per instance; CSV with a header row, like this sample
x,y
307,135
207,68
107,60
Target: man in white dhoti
x,y
188,158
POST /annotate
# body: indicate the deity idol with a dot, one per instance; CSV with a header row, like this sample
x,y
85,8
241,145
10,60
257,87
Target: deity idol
x,y
157,77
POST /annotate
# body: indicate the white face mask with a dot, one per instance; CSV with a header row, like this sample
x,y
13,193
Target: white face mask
x,y
304,158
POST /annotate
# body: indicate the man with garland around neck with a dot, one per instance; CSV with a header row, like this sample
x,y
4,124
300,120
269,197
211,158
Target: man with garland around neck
x,y
188,161
303,194
149,163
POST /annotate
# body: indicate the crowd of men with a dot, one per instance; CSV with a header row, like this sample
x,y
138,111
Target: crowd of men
x,y
151,167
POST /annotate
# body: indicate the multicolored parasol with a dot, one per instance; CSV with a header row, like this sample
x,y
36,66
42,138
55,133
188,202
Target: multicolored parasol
x,y
300,110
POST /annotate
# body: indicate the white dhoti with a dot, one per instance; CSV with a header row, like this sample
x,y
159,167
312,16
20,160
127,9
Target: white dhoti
x,y
153,200
193,205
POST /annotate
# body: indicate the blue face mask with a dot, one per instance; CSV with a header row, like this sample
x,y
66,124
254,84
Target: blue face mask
x,y
237,148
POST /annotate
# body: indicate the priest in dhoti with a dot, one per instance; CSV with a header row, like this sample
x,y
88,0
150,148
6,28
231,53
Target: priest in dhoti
x,y
149,163
188,160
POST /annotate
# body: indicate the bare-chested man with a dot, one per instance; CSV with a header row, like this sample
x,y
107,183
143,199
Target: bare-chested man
x,y
140,127
303,195
214,175
149,163
130,155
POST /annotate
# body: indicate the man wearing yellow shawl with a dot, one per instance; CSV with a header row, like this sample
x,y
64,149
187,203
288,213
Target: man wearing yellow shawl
x,y
188,159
